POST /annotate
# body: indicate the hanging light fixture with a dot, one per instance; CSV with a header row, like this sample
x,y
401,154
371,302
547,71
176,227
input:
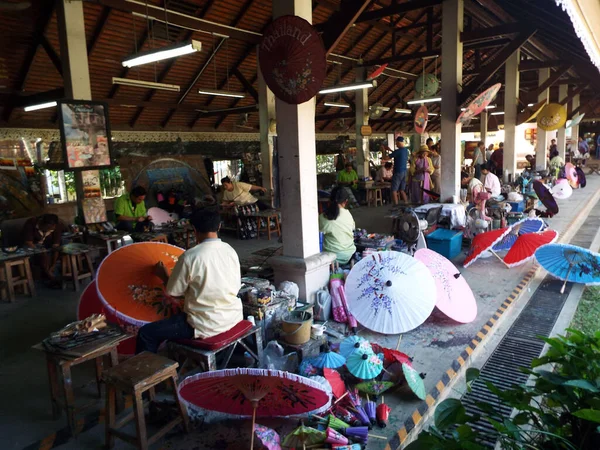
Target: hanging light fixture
x,y
403,111
221,93
158,54
146,84
337,104
40,106
349,87
498,113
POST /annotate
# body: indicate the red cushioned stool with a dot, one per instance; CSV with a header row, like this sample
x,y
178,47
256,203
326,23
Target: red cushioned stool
x,y
204,352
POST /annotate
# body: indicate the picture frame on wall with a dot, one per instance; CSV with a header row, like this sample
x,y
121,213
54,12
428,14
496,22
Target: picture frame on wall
x,y
85,134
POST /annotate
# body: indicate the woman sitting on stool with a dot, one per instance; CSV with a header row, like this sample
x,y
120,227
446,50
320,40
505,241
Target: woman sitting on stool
x,y
337,225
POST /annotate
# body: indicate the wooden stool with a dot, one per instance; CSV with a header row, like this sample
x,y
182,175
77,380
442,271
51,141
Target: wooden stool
x,y
374,196
594,168
204,352
23,277
160,238
73,268
136,376
267,215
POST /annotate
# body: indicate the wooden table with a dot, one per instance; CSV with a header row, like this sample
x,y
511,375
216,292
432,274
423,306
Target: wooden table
x,y
59,364
187,232
20,260
150,236
111,240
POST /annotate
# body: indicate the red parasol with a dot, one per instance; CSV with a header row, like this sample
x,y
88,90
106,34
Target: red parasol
x,y
391,356
377,72
128,287
421,118
478,105
292,59
335,380
545,197
255,392
525,246
383,414
484,242
89,303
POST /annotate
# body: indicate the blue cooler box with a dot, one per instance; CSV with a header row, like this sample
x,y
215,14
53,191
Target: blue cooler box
x,y
447,243
517,206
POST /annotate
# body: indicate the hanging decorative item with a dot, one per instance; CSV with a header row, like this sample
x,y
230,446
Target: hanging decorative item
x,y
421,118
478,105
377,72
292,59
531,112
576,120
552,117
427,85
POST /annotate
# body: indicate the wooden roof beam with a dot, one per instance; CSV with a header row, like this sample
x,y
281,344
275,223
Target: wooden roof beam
x,y
47,46
528,65
551,81
486,34
247,85
104,16
341,22
397,8
572,93
234,105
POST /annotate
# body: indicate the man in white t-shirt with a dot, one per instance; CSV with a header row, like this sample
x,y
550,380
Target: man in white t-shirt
x,y
236,193
491,182
208,277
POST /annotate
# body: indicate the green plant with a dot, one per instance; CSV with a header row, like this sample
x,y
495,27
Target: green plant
x,y
558,409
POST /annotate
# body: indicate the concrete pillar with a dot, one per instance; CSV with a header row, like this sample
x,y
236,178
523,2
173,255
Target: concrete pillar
x,y
483,124
452,49
541,148
266,113
561,138
302,261
575,129
511,100
361,103
391,141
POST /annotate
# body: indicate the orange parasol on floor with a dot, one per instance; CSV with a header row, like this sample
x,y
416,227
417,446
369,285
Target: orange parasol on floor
x,y
128,287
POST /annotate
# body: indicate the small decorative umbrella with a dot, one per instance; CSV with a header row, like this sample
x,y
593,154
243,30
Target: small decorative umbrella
x,y
523,226
328,359
254,392
345,415
338,309
357,433
526,245
545,197
562,190
269,438
354,343
303,436
307,368
391,356
333,437
552,117
390,292
354,397
374,387
414,380
322,381
383,414
335,380
362,416
335,423
454,296
572,175
370,407
581,177
484,242
365,366
377,72
478,105
421,118
577,118
570,263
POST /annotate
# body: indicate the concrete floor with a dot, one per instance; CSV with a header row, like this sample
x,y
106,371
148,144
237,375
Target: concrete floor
x,y
25,408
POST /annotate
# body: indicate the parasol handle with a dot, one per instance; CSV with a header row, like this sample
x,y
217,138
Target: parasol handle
x,y
457,275
254,405
562,289
399,340
496,255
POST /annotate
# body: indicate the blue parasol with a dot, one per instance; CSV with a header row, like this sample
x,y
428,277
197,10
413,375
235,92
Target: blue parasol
x,y
354,343
329,360
570,263
524,226
365,366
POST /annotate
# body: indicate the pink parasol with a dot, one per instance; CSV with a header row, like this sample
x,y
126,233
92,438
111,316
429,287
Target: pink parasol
x,y
484,242
421,118
525,246
160,216
478,105
571,174
454,296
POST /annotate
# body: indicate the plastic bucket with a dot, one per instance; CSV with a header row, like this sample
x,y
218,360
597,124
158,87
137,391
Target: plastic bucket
x,y
296,326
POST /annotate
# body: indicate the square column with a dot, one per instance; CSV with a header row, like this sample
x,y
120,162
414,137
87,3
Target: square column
x,y
511,96
575,129
302,261
361,103
266,113
561,137
452,49
483,124
541,148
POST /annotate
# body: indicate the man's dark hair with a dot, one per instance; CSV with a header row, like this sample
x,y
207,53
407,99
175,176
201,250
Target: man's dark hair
x,y
225,180
485,166
428,141
464,175
49,219
349,164
388,165
480,143
206,221
501,145
138,191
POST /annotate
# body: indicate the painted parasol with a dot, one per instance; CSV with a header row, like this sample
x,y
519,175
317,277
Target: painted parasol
x,y
421,118
391,356
254,392
414,380
562,190
269,437
523,226
484,242
136,295
581,177
354,343
552,117
365,366
374,387
545,197
526,245
576,120
303,436
160,216
478,105
531,112
454,296
390,292
377,72
328,359
572,175
89,303
335,380
294,65
570,263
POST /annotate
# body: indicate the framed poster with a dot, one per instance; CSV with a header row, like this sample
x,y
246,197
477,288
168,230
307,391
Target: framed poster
x,y
94,209
85,134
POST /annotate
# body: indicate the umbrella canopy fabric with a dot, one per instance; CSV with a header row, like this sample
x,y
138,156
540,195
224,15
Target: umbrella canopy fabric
x,y
377,72
414,380
328,359
365,366
269,437
294,64
478,105
454,296
570,263
374,387
240,392
335,380
303,436
572,175
354,343
322,381
160,216
523,226
552,117
581,177
383,414
89,303
484,242
531,112
545,197
576,120
392,356
526,245
562,190
390,292
421,118
307,368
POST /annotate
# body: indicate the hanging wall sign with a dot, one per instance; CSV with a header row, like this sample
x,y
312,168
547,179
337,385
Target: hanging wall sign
x,y
292,59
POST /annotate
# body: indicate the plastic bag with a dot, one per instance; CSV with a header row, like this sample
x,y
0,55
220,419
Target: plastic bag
x,y
274,358
322,305
291,288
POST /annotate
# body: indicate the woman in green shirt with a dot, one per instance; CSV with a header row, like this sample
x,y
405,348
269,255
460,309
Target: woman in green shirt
x,y
348,177
337,225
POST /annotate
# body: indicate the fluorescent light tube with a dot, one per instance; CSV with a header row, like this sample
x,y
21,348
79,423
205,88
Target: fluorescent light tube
x,y
221,93
487,107
145,84
337,105
158,54
403,111
530,104
349,87
432,114
498,113
40,106
418,101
